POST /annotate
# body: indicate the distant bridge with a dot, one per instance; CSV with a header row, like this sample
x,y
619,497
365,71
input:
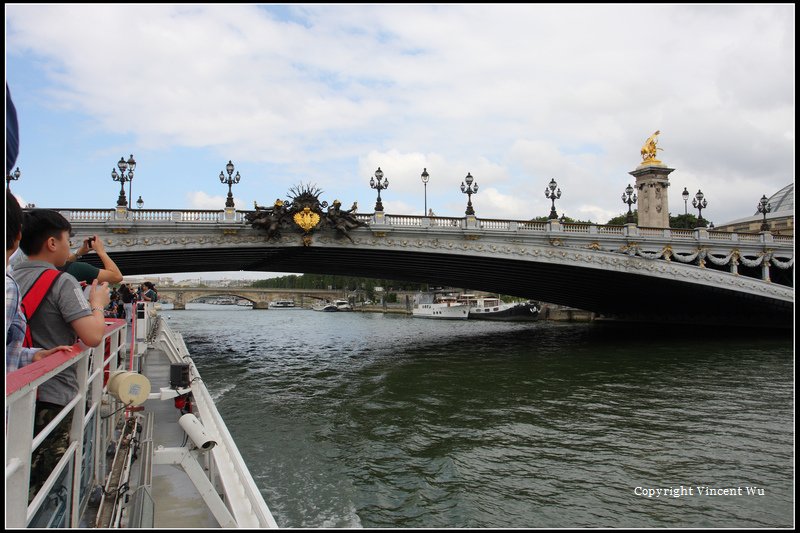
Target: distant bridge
x,y
636,273
180,296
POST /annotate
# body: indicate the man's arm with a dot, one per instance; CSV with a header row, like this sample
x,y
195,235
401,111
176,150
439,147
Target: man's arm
x,y
110,271
90,329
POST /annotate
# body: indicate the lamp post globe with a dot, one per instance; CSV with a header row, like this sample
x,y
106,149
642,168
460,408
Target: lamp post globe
x,y
552,194
685,195
14,176
629,197
469,187
425,177
230,181
140,202
699,202
764,207
126,169
379,185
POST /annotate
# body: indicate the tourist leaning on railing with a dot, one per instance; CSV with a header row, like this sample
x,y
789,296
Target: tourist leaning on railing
x,y
63,314
17,356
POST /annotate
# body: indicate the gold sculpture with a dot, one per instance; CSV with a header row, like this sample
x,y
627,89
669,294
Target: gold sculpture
x,y
306,219
649,149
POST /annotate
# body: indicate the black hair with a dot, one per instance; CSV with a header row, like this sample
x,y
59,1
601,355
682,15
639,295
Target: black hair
x,y
38,226
13,219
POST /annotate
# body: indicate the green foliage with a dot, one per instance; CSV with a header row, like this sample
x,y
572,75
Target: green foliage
x,y
622,219
688,221
563,219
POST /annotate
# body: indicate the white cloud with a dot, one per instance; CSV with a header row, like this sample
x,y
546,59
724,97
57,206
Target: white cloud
x,y
202,200
515,95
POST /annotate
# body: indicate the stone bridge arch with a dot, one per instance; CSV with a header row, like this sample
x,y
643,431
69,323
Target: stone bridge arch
x,y
261,298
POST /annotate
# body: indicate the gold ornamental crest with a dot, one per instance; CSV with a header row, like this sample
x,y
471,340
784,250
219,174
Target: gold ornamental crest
x,y
306,219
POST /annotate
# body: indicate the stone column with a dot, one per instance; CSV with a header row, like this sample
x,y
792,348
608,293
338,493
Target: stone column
x,y
652,181
178,303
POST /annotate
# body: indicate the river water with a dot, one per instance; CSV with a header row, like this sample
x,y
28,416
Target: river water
x,y
372,420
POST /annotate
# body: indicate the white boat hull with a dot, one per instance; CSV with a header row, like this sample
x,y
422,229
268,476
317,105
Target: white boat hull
x,y
441,311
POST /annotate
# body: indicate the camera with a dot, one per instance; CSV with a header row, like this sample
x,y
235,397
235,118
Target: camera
x,y
89,241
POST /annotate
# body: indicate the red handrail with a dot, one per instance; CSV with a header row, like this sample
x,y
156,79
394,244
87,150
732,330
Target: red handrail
x,y
19,378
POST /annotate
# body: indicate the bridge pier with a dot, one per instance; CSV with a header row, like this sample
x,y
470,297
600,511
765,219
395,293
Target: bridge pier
x,y
260,305
178,306
652,181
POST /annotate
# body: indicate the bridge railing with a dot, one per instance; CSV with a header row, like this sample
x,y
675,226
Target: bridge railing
x,y
201,216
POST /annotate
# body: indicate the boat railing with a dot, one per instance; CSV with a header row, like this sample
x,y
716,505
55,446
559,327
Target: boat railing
x,y
223,463
65,493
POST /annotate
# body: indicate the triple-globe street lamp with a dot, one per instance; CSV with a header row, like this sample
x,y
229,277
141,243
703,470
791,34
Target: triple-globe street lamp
x,y
376,183
699,202
629,197
764,207
122,177
14,176
469,189
551,194
230,180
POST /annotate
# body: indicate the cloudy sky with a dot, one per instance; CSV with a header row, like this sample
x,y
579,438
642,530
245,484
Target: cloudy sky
x,y
326,94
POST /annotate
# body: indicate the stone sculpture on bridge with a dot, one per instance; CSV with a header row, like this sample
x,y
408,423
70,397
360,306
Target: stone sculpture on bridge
x,y
305,210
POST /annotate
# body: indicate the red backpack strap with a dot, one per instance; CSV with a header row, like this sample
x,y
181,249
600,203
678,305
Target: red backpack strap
x,y
33,298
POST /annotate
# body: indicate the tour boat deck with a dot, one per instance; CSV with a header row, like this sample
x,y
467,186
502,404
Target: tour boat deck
x,y
134,459
177,500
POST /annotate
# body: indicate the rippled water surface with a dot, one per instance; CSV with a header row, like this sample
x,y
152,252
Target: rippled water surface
x,y
351,419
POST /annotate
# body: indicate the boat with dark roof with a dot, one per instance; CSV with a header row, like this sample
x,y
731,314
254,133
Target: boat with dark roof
x,y
496,309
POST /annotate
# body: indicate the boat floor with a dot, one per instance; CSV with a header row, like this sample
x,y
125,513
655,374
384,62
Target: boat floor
x,y
177,502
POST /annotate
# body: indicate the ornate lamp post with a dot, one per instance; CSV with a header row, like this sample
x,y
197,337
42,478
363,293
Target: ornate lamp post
x,y
14,176
122,177
685,195
230,180
629,197
764,208
551,194
469,189
140,202
425,177
699,203
377,184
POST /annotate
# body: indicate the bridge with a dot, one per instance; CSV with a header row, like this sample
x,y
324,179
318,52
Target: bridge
x,y
260,298
628,272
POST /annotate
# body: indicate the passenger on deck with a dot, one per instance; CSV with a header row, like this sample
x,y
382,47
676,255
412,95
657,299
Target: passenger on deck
x,y
88,273
126,296
63,316
149,294
17,356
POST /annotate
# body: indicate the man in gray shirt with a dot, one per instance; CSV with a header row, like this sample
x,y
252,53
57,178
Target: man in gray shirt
x,y
63,317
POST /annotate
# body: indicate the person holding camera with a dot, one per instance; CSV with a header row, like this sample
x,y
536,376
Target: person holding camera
x,y
88,273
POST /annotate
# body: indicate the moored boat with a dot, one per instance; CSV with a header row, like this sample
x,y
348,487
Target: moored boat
x,y
439,306
325,306
342,305
281,304
496,309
